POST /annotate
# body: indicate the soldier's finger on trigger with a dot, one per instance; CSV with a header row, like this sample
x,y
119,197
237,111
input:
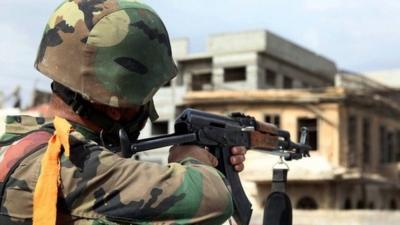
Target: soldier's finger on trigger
x,y
235,160
239,168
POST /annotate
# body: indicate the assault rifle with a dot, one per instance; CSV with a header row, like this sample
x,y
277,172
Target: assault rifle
x,y
219,134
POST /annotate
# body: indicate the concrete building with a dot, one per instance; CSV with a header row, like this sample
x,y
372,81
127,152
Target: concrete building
x,y
353,121
256,60
356,162
388,77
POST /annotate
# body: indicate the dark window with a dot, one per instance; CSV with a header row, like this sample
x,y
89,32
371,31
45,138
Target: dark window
x,y
360,204
387,144
307,203
382,144
200,80
347,204
366,142
270,78
352,132
393,204
235,74
287,83
371,205
305,85
159,128
397,146
390,147
311,125
274,119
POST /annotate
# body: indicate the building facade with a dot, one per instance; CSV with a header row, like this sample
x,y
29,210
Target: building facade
x,y
356,159
354,122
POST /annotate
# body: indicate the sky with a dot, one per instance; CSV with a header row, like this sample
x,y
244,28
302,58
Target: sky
x,y
359,35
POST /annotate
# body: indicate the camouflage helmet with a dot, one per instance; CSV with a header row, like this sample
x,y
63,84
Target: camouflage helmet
x,y
114,52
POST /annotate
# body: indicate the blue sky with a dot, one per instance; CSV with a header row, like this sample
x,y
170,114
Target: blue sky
x,y
359,35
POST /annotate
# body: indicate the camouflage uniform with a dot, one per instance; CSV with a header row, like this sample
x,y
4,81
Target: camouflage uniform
x,y
116,53
99,187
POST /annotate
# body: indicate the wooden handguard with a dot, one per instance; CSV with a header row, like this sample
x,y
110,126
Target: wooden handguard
x,y
264,137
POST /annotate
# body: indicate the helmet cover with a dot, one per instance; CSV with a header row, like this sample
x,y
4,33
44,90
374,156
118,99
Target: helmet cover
x,y
114,52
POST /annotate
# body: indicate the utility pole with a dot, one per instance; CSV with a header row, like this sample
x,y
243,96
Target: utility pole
x,y
15,95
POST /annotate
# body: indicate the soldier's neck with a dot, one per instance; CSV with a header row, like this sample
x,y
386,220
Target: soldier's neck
x,y
60,109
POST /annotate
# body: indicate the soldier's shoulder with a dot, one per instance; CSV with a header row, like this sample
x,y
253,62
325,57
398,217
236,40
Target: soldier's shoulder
x,y
20,124
16,126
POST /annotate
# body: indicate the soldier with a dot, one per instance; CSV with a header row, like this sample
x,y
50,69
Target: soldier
x,y
107,59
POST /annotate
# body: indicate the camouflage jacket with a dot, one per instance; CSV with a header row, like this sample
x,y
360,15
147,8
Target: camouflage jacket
x,y
99,187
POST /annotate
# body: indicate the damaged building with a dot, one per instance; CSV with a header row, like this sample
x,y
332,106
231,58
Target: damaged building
x,y
353,121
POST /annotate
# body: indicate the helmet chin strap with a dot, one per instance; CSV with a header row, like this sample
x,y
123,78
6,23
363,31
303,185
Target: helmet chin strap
x,y
110,127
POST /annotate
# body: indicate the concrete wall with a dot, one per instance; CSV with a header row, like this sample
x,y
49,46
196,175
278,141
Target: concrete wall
x,y
332,195
224,43
271,44
319,191
247,60
256,51
192,68
301,78
297,55
180,48
389,77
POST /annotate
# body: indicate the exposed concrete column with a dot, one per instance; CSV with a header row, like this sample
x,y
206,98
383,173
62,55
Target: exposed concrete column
x,y
252,73
375,144
261,82
218,77
187,80
279,80
261,74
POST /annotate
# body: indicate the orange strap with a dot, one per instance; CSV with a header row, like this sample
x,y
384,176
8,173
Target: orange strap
x,y
46,190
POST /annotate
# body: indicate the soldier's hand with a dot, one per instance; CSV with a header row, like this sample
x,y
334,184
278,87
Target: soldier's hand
x,y
178,153
238,157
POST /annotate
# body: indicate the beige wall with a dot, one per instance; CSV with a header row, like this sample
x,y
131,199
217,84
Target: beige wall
x,y
319,191
327,115
332,145
376,119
